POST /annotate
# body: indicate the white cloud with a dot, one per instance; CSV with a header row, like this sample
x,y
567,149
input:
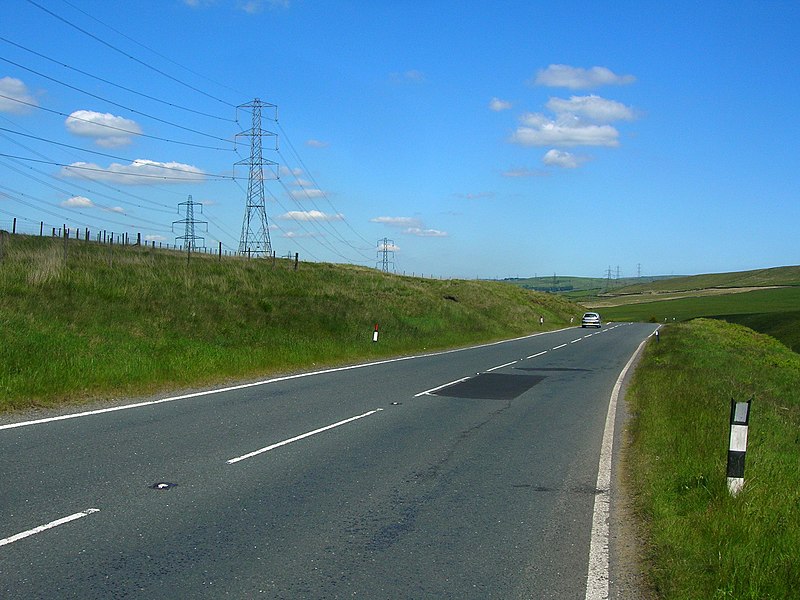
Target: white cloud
x,y
539,130
84,202
78,202
565,160
420,232
155,238
16,93
139,172
578,78
398,221
317,144
388,247
108,131
593,108
498,105
310,215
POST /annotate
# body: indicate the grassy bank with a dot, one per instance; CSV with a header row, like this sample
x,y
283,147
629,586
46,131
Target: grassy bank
x,y
97,320
703,543
770,311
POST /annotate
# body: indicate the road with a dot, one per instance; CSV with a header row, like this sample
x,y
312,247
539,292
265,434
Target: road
x,y
465,474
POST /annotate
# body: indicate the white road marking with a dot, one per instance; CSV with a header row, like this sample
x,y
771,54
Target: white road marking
x,y
561,346
513,362
41,528
264,382
444,385
300,437
535,355
576,341
598,577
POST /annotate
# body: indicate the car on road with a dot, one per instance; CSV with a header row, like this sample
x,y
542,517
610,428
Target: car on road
x,y
591,319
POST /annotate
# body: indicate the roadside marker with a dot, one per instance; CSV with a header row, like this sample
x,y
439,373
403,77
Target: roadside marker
x,y
375,333
737,447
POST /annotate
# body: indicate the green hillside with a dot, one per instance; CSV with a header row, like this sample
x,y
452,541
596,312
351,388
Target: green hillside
x,y
89,321
776,276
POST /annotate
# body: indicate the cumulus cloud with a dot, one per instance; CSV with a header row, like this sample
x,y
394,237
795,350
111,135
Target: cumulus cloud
x,y
565,160
566,131
18,100
107,130
310,215
78,202
139,172
317,144
497,105
593,108
578,78
84,202
388,246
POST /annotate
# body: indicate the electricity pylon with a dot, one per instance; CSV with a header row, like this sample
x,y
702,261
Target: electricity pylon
x,y
189,238
385,248
255,229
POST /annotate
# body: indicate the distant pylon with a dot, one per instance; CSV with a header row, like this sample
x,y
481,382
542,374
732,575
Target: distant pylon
x,y
385,249
189,240
255,229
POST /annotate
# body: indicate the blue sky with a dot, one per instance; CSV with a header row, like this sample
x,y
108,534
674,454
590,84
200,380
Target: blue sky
x,y
490,140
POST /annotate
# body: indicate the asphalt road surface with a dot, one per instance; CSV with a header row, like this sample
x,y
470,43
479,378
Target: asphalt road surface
x,y
466,474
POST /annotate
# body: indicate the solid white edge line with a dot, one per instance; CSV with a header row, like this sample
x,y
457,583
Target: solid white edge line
x,y
264,382
300,437
444,385
513,362
50,525
597,579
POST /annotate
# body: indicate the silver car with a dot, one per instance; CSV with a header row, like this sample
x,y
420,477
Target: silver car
x,y
591,319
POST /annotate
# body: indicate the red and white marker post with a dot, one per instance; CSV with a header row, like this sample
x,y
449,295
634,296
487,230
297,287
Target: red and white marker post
x,y
375,333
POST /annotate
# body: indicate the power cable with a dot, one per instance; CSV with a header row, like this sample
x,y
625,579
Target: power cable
x,y
126,131
117,85
131,57
117,104
167,58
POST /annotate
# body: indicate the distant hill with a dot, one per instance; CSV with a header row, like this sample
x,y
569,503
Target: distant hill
x,y
776,276
576,287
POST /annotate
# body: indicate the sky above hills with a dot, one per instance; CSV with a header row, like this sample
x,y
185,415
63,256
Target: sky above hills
x,y
495,140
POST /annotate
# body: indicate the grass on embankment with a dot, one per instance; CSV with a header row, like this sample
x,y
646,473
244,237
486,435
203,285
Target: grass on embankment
x,y
703,543
770,311
119,321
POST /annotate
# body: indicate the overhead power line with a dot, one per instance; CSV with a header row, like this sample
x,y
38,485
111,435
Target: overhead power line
x,y
120,129
131,57
117,104
117,85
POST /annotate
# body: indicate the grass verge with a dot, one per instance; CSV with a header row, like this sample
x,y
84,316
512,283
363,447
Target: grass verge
x,y
87,321
703,543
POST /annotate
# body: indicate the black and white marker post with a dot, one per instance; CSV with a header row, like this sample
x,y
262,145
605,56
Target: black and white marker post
x,y
375,333
740,418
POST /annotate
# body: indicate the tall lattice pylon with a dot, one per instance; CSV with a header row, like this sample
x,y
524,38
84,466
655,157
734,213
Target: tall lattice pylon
x,y
385,253
255,228
189,239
